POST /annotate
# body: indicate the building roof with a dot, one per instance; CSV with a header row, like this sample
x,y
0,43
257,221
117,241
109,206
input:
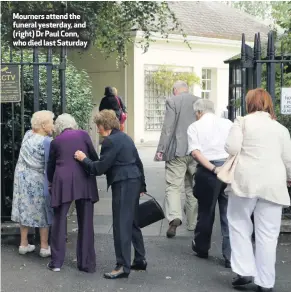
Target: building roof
x,y
213,19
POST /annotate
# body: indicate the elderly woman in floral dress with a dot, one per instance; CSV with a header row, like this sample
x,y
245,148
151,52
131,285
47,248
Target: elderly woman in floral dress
x,y
30,205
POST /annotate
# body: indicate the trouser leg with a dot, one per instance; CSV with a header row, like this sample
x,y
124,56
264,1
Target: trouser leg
x,y
226,250
205,186
239,212
116,190
175,176
137,238
58,235
125,195
191,201
267,217
86,257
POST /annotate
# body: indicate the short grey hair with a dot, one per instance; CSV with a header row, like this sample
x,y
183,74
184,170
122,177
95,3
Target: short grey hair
x,y
65,121
41,118
180,84
203,106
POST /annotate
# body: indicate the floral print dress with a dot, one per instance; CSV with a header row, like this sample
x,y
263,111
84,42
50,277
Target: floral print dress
x,y
30,203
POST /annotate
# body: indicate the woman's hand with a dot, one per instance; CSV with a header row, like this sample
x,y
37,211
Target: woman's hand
x,y
79,155
217,169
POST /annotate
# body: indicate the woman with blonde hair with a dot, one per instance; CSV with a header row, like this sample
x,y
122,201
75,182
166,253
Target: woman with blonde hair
x,y
30,205
259,187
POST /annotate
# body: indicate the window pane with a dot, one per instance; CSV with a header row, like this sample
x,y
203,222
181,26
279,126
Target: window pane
x,y
204,85
238,92
208,85
238,76
203,73
208,73
207,95
154,101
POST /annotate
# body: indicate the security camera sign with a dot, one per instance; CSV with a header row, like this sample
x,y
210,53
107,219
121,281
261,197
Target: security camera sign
x,y
10,83
286,100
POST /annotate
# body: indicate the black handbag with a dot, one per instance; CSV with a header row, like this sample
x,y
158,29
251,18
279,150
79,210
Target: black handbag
x,y
150,212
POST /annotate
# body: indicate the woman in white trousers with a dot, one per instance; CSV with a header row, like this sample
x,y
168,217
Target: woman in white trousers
x,y
259,187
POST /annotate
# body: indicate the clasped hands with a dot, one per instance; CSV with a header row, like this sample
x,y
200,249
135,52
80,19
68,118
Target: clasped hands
x,y
79,155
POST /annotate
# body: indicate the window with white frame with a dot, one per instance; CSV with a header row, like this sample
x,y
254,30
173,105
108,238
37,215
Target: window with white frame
x,y
155,98
206,83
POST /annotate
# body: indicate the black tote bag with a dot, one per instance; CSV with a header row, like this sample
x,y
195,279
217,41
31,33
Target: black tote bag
x,y
150,212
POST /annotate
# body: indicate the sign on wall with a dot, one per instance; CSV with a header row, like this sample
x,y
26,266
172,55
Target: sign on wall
x,y
10,83
286,100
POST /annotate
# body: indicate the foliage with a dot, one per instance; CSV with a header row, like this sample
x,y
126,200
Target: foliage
x,y
260,9
109,23
165,77
79,104
277,12
78,87
280,12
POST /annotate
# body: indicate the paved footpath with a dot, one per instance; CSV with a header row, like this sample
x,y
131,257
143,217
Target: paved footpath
x,y
171,263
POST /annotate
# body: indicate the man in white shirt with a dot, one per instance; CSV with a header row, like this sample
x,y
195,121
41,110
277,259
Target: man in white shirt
x,y
206,140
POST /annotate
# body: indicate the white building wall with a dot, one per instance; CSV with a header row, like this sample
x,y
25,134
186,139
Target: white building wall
x,y
179,55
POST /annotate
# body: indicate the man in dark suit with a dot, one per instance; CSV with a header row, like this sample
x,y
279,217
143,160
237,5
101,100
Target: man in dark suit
x,y
120,161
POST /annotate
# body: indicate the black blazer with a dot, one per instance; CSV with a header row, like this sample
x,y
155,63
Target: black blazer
x,y
119,160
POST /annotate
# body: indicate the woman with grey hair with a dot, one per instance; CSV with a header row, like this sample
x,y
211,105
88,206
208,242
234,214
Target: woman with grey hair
x,y
30,205
69,182
206,140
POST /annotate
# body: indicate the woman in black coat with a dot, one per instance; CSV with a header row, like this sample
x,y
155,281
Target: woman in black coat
x,y
112,102
120,161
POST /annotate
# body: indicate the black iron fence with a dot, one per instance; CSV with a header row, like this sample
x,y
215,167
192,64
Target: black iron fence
x,y
33,72
265,65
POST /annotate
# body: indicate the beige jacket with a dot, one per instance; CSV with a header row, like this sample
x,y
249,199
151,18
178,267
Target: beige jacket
x,y
264,163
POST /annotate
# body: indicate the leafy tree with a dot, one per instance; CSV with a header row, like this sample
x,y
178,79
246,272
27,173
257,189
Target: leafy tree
x,y
109,23
260,9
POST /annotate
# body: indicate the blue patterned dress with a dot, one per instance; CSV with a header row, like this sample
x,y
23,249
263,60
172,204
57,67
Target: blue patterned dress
x,y
30,205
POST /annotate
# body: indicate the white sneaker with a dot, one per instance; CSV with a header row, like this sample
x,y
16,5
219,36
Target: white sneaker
x,y
45,252
52,268
26,249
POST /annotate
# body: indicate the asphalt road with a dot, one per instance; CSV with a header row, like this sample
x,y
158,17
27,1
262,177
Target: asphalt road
x,y
172,265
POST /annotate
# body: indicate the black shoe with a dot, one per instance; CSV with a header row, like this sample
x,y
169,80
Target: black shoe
x,y
203,255
171,232
261,289
227,264
241,281
120,274
139,266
